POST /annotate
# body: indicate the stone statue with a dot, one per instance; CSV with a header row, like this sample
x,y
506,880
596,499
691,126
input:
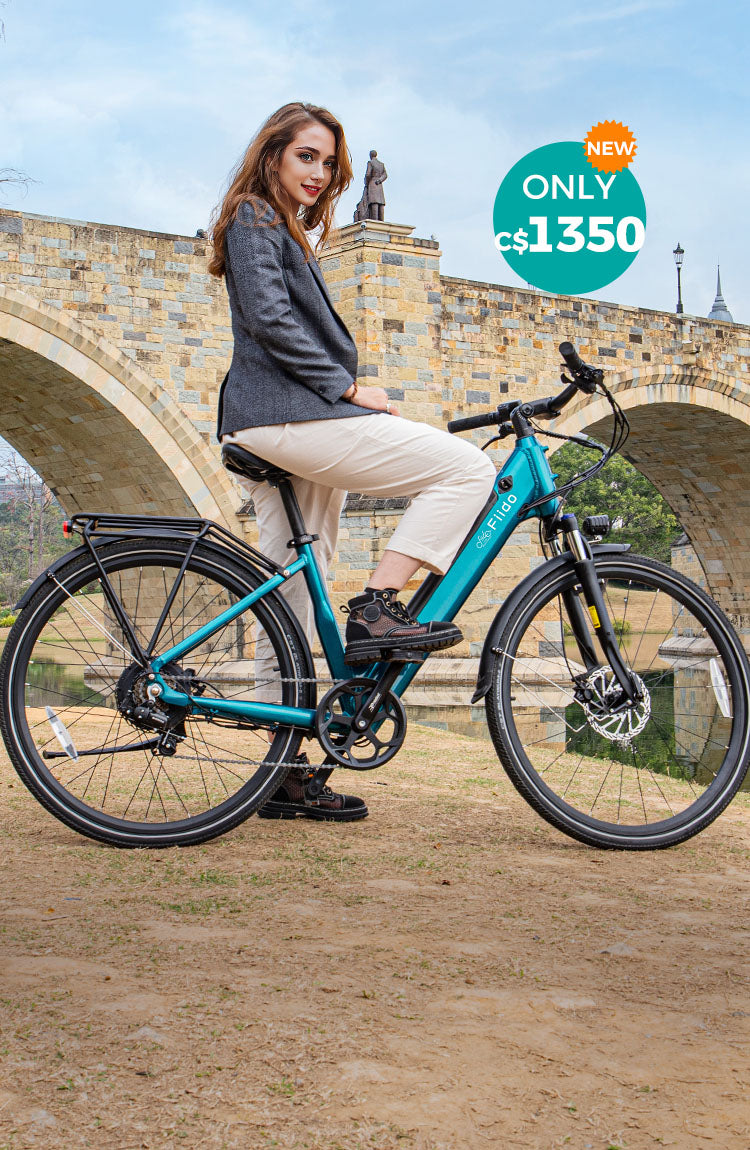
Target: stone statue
x,y
371,206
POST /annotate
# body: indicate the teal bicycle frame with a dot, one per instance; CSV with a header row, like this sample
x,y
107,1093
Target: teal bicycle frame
x,y
526,478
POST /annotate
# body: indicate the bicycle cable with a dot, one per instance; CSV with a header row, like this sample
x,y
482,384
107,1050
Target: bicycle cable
x,y
620,433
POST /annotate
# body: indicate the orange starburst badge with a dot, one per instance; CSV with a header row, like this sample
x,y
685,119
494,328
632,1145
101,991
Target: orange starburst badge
x,y
610,146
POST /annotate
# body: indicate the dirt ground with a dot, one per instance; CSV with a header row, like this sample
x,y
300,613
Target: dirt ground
x,y
451,972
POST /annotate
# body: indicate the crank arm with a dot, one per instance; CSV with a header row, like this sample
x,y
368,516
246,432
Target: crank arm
x,y
374,700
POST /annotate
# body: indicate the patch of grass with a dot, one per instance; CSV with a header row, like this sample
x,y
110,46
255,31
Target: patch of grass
x,y
215,878
285,1087
204,906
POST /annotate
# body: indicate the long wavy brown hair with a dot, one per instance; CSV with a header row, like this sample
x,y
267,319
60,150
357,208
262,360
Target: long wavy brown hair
x,y
256,176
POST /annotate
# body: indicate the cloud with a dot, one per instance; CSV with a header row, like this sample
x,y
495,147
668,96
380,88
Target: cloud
x,y
600,14
140,122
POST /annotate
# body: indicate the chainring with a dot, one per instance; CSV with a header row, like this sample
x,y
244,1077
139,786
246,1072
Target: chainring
x,y
343,743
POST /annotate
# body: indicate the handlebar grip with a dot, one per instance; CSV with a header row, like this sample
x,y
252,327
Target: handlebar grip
x,y
488,419
571,357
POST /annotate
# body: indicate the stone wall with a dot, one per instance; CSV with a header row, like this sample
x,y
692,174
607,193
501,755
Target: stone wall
x,y
149,293
442,347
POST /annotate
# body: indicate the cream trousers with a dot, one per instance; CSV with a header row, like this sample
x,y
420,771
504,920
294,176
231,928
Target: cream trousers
x,y
447,479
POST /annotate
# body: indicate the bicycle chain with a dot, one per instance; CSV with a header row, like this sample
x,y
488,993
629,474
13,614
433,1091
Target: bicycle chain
x,y
257,762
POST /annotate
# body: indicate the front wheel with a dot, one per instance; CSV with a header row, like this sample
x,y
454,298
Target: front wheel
x,y
648,776
77,718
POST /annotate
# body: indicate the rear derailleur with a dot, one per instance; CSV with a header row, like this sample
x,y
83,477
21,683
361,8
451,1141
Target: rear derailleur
x,y
138,700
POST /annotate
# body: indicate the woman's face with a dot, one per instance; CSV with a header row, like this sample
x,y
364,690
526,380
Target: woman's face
x,y
307,164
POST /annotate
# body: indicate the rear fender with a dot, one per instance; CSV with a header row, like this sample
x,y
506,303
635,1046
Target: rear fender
x,y
53,568
224,553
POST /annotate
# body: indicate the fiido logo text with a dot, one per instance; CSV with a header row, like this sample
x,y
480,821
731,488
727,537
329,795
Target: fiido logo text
x,y
495,520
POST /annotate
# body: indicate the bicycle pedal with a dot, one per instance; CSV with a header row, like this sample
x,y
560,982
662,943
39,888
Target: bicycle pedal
x,y
407,657
315,781
403,656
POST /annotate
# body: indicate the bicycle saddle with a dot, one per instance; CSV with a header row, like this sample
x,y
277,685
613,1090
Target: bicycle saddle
x,y
243,462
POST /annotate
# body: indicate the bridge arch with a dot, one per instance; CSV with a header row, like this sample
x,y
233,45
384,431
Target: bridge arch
x,y
100,432
690,435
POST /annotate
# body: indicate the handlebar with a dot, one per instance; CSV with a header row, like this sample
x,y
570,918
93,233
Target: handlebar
x,y
472,421
585,379
572,359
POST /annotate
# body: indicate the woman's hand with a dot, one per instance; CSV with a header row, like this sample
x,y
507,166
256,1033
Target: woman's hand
x,y
374,399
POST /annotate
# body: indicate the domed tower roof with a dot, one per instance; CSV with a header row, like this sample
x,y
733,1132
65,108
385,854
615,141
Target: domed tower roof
x,y
720,309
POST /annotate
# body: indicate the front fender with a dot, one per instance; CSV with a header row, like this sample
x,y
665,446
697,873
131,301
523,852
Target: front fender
x,y
551,567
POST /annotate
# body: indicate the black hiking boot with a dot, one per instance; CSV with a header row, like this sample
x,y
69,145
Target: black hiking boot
x,y
291,800
379,624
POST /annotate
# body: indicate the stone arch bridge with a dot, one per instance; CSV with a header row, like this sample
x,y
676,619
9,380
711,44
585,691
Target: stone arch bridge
x,y
113,342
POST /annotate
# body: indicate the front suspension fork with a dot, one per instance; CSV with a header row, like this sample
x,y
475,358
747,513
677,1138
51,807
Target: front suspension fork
x,y
596,609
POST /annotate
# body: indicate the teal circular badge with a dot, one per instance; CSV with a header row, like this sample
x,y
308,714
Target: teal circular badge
x,y
565,227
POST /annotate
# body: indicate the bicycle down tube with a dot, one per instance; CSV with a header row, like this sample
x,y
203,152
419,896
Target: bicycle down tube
x,y
526,477
617,693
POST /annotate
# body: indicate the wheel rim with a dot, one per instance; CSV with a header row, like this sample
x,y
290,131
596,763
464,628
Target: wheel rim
x,y
71,661
683,759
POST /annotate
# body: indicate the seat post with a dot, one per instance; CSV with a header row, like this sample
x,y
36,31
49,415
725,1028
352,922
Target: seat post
x,y
242,462
293,514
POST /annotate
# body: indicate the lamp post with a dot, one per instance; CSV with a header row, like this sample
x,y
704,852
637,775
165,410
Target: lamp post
x,y
678,253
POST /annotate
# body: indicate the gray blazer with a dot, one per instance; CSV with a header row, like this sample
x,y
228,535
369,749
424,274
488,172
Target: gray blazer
x,y
293,356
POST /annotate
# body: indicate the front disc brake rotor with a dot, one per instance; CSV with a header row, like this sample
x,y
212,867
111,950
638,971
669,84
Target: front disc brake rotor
x,y
619,725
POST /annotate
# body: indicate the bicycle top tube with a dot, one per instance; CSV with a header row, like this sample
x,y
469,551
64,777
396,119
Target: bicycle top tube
x,y
524,488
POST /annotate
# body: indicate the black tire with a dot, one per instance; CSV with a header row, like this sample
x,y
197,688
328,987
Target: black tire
x,y
686,759
58,660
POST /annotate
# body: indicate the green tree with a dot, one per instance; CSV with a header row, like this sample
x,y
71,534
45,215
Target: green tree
x,y
638,513
30,529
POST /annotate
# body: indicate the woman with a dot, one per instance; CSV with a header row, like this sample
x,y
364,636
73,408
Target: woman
x,y
291,394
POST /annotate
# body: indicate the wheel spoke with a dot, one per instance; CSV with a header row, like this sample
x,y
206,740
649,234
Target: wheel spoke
x,y
608,772
71,656
95,623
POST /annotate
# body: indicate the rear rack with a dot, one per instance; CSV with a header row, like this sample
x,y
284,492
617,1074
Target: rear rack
x,y
91,525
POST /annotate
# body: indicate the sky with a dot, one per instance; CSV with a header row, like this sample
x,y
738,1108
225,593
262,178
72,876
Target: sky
x,y
135,113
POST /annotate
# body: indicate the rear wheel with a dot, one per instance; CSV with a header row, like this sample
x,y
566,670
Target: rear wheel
x,y
82,730
639,778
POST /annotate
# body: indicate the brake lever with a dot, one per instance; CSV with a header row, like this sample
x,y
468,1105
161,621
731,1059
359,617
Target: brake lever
x,y
586,380
503,431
